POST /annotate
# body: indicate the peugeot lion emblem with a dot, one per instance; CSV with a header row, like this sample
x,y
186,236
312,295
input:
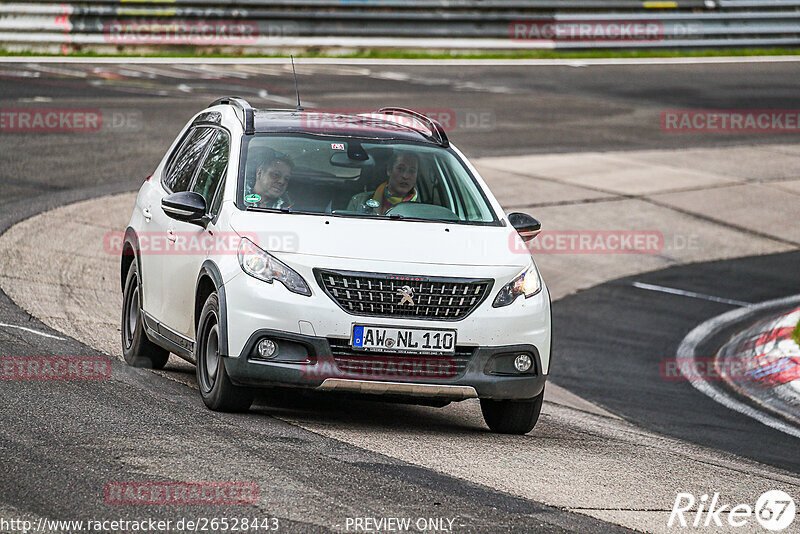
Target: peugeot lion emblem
x,y
408,295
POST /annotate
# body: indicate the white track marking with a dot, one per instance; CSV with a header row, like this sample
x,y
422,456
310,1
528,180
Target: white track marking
x,y
265,95
672,291
58,70
32,331
20,73
686,356
162,72
405,62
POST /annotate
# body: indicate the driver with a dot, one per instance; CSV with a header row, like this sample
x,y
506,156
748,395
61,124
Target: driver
x,y
272,181
402,177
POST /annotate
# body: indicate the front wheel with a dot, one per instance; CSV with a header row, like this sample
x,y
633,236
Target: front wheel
x,y
512,416
137,349
216,388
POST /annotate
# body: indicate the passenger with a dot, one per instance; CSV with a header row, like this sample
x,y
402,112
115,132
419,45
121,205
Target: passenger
x,y
272,181
402,177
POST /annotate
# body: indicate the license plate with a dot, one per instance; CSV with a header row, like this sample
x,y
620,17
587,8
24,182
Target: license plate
x,y
416,340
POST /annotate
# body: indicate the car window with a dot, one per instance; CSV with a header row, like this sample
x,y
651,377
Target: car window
x,y
184,163
218,199
359,178
213,169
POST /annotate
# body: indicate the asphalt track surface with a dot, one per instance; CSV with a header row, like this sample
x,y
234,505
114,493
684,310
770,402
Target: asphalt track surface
x,y
62,441
613,337
499,110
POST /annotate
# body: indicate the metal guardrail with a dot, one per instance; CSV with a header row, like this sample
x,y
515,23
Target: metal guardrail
x,y
448,24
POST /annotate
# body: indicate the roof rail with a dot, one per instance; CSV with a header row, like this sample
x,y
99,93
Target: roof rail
x,y
247,111
437,132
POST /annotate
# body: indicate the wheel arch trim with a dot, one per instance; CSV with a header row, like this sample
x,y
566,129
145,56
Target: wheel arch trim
x,y
132,239
210,270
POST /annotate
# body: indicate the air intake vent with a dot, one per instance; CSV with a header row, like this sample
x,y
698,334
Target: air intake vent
x,y
409,297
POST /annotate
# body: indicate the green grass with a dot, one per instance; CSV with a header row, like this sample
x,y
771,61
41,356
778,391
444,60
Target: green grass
x,y
422,54
584,54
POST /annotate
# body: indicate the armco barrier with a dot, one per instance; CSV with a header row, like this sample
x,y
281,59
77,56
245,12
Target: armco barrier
x,y
450,24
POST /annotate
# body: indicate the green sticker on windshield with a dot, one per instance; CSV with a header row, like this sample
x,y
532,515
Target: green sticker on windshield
x,y
372,203
253,198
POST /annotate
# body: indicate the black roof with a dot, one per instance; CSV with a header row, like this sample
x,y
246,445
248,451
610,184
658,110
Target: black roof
x,y
334,124
385,123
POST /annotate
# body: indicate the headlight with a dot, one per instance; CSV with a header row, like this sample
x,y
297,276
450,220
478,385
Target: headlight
x,y
266,267
525,283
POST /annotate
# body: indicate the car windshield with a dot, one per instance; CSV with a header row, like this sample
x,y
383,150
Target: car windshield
x,y
359,178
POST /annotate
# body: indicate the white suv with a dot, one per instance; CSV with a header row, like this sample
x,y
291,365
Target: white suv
x,y
357,253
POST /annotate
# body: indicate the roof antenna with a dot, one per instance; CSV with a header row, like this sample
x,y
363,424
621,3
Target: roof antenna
x,y
299,107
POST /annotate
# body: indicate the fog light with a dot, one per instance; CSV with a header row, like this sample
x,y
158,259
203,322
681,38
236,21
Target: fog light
x,y
523,363
267,348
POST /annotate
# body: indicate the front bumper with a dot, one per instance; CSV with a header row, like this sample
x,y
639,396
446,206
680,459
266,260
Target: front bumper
x,y
308,362
253,305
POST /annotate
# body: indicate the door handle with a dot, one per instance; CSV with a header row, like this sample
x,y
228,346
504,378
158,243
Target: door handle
x,y
148,215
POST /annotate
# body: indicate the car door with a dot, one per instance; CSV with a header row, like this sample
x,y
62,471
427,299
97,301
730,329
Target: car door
x,y
161,254
196,242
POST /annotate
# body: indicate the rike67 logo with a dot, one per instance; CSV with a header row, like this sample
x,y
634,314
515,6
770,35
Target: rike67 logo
x,y
774,510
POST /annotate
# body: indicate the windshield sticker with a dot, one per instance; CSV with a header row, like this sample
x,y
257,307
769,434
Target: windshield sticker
x,y
337,146
253,198
372,203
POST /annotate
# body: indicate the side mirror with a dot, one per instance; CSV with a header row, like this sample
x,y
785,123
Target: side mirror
x,y
527,227
185,206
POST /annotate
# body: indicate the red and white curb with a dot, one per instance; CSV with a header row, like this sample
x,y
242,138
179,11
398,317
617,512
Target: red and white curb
x,y
775,397
762,363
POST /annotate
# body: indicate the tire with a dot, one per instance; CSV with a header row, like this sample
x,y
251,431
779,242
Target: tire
x,y
512,416
216,388
137,349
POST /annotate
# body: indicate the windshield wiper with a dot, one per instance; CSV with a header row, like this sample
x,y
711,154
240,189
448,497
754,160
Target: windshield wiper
x,y
398,217
280,210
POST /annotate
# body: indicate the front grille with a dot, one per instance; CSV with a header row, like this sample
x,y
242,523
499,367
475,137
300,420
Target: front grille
x,y
381,295
397,366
